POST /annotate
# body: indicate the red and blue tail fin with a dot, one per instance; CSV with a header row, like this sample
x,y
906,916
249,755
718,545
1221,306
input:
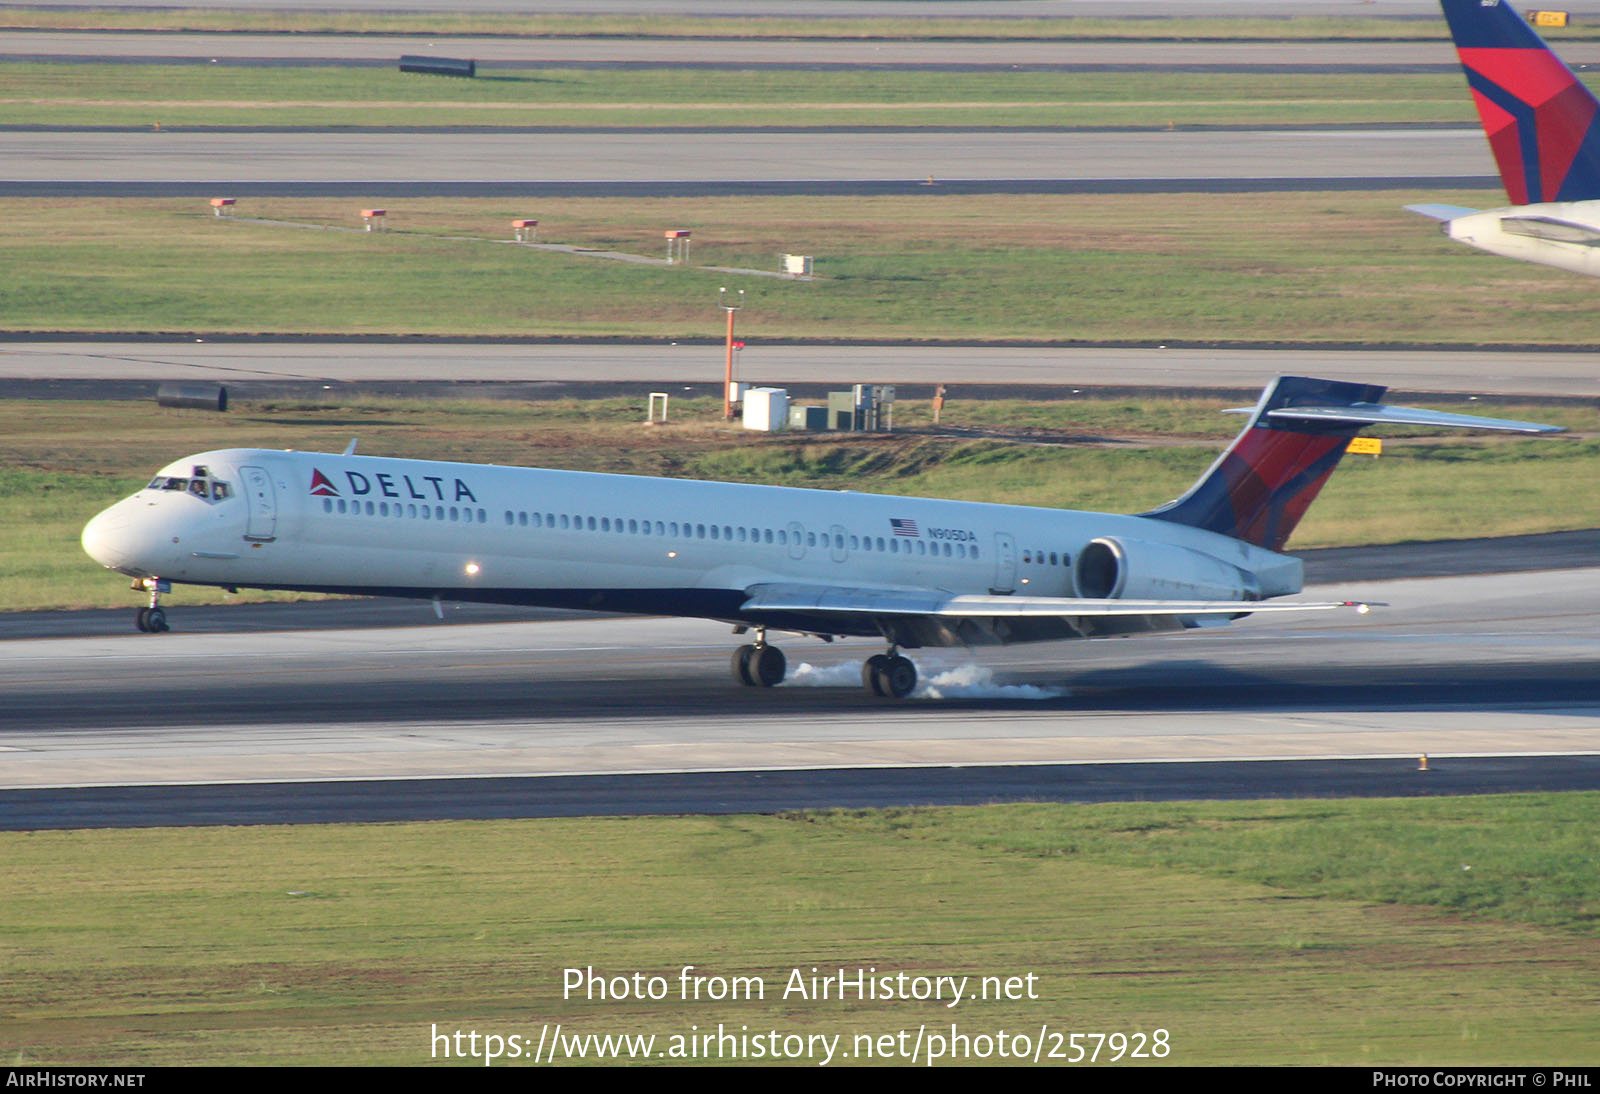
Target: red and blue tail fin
x,y
1539,118
1263,484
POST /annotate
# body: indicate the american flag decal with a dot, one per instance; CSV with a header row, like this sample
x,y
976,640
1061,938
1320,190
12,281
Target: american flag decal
x,y
903,527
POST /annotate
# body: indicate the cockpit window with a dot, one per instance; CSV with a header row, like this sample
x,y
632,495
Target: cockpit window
x,y
201,487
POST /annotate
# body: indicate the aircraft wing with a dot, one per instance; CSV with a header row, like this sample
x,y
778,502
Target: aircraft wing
x,y
815,600
1552,228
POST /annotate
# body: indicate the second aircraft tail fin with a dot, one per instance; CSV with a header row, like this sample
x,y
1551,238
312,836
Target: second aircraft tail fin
x,y
1540,119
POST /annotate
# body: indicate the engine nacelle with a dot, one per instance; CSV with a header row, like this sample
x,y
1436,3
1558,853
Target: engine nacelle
x,y
1135,569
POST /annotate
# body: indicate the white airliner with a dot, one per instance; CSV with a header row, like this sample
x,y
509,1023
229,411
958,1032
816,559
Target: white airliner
x,y
1543,127
913,571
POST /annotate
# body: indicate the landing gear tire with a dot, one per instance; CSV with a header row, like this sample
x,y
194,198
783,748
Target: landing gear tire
x,y
759,666
741,665
893,677
151,620
768,666
871,669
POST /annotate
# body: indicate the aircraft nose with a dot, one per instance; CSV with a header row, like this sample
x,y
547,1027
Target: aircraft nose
x,y
105,537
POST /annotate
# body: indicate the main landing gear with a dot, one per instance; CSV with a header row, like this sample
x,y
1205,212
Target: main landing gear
x,y
152,620
759,665
889,674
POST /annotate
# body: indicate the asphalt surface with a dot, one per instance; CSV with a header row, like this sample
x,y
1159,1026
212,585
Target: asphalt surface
x,y
126,368
780,791
406,721
719,162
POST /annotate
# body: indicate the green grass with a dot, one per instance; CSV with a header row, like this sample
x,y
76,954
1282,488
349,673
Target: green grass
x,y
66,460
1458,931
1062,268
189,95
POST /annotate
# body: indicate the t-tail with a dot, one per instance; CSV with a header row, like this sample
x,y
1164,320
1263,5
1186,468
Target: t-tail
x,y
1540,119
1258,489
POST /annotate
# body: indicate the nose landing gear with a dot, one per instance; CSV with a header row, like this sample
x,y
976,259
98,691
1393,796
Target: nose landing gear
x,y
152,620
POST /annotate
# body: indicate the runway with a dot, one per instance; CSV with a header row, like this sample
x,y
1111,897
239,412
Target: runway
x,y
515,53
260,366
466,162
1493,666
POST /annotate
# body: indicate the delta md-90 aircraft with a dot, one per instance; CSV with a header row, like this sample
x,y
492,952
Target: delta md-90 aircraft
x,y
912,571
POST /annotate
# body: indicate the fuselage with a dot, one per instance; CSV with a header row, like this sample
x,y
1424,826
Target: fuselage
x,y
1562,234
377,526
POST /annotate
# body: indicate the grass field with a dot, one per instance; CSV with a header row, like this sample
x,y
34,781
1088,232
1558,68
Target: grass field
x,y
1262,268
1452,931
65,460
189,95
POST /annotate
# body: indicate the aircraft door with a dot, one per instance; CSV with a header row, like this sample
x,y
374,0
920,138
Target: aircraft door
x,y
837,548
263,502
1005,566
797,540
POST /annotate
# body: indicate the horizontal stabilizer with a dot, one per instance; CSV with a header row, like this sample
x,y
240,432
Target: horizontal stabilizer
x,y
823,599
1552,229
1441,212
1380,414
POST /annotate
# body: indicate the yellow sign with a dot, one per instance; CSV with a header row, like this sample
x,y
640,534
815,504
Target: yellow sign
x,y
1549,18
1365,446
